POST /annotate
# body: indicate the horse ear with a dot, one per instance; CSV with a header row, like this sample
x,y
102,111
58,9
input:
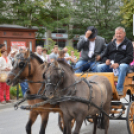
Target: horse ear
x,y
27,54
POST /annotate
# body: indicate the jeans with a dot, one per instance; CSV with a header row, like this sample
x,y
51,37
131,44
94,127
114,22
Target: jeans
x,y
91,65
24,87
123,68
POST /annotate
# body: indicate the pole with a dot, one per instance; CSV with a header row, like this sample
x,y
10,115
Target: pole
x,y
17,91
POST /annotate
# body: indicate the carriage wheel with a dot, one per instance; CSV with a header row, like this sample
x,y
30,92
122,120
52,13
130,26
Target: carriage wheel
x,y
130,118
61,122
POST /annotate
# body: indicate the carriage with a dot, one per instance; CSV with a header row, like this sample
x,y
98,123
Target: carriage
x,y
118,108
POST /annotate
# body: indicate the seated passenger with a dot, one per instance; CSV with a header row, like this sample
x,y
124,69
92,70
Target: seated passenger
x,y
91,47
118,56
61,55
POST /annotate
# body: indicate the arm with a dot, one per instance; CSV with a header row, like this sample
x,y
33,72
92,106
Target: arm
x,y
103,48
81,43
83,40
74,60
129,54
2,66
105,55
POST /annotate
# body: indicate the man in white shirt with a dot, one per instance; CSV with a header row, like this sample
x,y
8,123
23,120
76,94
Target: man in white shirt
x,y
39,52
92,48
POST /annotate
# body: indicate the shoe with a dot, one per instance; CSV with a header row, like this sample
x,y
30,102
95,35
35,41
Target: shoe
x,y
120,93
3,102
9,101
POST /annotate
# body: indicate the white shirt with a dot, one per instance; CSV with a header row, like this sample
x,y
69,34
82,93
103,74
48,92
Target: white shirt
x,y
91,48
4,64
66,56
42,57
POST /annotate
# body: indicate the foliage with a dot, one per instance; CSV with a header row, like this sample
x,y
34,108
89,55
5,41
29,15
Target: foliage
x,y
102,14
76,53
50,45
13,91
39,13
127,11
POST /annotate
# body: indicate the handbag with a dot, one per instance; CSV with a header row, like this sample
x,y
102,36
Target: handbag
x,y
3,77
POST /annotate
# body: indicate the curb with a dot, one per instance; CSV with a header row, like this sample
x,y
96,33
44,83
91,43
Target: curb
x,y
9,105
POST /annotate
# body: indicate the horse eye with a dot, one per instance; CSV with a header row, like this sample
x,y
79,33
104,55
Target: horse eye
x,y
21,64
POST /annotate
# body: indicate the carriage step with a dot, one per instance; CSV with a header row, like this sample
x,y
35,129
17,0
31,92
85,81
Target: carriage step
x,y
116,112
116,103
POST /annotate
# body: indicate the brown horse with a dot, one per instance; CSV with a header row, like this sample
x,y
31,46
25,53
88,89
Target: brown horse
x,y
29,66
59,76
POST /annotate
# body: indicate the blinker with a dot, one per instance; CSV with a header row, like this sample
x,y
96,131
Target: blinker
x,y
21,64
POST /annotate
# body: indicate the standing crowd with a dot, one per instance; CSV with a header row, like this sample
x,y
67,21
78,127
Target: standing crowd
x,y
116,57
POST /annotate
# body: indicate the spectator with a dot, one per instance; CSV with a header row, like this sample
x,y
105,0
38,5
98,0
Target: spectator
x,y
5,67
118,56
12,54
44,53
73,59
24,85
92,48
131,67
61,56
54,55
2,47
67,57
39,52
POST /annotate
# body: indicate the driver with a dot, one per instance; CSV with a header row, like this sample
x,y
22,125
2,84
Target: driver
x,y
91,47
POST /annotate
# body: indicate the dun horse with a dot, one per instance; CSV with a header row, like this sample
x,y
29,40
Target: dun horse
x,y
59,76
29,66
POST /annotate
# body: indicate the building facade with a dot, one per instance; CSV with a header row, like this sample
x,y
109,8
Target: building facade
x,y
11,35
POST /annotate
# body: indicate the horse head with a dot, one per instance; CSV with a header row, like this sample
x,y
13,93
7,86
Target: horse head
x,y
53,75
21,68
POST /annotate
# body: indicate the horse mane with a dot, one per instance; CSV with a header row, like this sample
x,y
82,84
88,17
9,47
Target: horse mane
x,y
66,65
36,57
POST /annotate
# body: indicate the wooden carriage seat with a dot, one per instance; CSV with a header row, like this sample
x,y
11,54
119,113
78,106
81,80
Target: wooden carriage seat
x,y
109,75
128,85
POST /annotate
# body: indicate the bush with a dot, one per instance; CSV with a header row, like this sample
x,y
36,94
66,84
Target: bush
x,y
13,91
76,53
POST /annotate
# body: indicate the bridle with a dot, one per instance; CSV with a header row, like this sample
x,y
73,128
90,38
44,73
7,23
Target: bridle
x,y
48,80
22,64
56,85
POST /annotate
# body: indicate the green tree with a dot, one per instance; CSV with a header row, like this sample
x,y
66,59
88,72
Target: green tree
x,y
3,8
127,11
40,13
103,14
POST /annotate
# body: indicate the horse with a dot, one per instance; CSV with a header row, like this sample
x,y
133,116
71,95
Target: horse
x,y
60,81
29,66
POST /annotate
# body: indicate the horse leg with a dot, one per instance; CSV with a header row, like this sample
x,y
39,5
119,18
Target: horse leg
x,y
79,121
32,118
95,123
67,124
44,117
105,118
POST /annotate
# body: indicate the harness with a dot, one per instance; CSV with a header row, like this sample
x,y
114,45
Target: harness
x,y
64,98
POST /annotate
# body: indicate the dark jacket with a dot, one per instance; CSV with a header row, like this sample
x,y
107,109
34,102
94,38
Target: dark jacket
x,y
124,53
83,47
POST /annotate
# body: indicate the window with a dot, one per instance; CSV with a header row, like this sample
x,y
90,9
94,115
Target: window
x,y
30,45
5,42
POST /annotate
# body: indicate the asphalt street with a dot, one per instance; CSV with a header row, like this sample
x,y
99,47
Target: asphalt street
x,y
13,122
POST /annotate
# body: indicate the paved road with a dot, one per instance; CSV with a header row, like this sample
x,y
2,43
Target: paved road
x,y
13,122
